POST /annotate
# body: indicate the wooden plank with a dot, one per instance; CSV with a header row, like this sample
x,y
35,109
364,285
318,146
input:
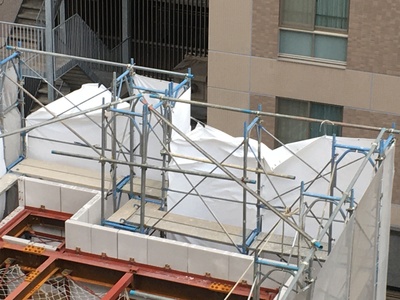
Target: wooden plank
x,y
79,177
7,181
204,229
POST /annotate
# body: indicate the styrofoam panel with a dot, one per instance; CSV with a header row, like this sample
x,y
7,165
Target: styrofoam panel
x,y
73,199
23,242
162,252
202,260
38,193
78,235
81,215
105,240
56,231
132,246
11,216
238,264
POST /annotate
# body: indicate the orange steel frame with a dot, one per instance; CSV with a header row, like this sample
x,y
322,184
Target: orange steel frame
x,y
104,271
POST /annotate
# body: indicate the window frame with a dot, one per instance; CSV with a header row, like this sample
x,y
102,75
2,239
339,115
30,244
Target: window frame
x,y
308,104
316,30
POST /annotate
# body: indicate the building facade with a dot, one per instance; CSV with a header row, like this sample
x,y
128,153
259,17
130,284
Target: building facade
x,y
346,68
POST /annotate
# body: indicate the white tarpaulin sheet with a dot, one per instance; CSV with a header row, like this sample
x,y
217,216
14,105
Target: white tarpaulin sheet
x,y
42,140
308,161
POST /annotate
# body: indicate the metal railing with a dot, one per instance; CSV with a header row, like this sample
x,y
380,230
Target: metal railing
x,y
26,36
85,44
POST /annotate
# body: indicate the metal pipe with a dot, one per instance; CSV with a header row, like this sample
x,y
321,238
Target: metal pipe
x,y
258,128
99,61
143,150
60,119
102,161
259,170
9,58
269,114
237,180
114,166
276,264
189,172
244,180
310,255
134,294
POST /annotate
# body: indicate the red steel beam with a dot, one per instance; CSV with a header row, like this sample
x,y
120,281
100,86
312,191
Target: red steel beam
x,y
119,287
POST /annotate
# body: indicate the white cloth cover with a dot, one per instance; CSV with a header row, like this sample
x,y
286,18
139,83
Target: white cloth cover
x,y
311,158
42,140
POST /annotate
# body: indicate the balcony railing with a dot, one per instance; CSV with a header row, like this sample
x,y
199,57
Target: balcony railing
x,y
25,36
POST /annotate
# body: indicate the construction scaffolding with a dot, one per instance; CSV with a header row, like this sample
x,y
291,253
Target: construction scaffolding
x,y
293,215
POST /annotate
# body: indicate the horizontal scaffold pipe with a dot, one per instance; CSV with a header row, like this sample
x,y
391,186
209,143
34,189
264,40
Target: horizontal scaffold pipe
x,y
99,61
270,114
73,115
233,166
122,162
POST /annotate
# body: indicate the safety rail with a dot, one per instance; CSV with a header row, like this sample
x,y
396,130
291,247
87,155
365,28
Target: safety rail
x,y
87,45
27,36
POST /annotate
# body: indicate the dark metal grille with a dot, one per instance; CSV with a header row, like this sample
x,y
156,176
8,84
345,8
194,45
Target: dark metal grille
x,y
104,17
163,32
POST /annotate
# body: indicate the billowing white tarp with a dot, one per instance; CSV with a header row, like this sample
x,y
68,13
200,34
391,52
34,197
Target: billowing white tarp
x,y
58,136
12,120
308,161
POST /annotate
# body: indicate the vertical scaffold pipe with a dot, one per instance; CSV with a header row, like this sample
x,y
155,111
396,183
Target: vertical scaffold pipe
x,y
114,143
103,167
143,153
21,102
244,179
259,142
332,185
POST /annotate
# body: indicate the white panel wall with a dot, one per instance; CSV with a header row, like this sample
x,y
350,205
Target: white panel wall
x,y
78,235
104,241
41,193
163,252
73,199
54,196
132,246
202,260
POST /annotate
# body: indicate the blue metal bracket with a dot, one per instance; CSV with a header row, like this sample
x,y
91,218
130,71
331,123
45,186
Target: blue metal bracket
x,y
116,225
276,264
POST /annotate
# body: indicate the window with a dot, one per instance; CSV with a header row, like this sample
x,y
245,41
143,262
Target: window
x,y
314,29
290,130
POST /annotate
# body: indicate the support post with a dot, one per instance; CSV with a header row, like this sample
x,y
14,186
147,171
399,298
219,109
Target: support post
x,y
143,153
103,161
114,143
244,180
49,48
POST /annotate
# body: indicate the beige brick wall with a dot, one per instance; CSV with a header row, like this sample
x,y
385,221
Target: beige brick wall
x,y
369,118
264,37
268,105
374,39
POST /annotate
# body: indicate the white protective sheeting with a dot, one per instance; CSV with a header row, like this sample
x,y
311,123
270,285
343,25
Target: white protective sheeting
x,y
358,262
42,140
12,120
305,160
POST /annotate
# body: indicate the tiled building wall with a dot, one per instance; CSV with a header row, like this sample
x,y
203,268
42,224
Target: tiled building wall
x,y
264,37
374,38
268,105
